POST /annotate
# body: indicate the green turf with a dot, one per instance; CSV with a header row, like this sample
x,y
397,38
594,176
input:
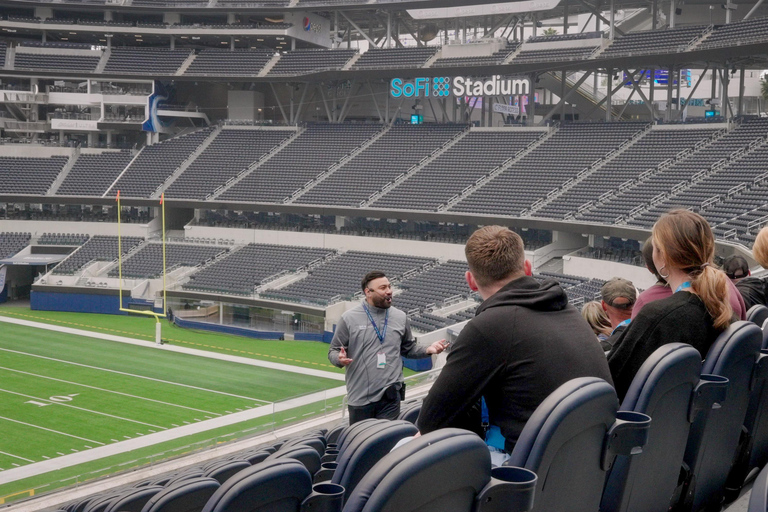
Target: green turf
x,y
61,393
308,354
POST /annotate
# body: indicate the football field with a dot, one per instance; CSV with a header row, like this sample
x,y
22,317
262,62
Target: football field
x,y
63,393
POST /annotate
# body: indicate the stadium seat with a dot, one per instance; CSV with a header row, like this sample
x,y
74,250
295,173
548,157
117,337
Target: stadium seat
x,y
304,454
276,486
225,469
186,496
314,441
362,453
333,435
255,456
758,500
185,475
134,500
441,471
410,411
664,389
570,441
352,430
757,314
715,433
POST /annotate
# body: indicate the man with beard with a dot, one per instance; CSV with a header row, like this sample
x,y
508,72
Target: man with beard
x,y
369,340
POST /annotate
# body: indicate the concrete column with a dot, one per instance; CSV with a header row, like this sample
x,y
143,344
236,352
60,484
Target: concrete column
x,y
609,99
173,42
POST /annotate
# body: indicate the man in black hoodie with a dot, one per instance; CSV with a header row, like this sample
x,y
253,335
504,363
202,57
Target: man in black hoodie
x,y
524,342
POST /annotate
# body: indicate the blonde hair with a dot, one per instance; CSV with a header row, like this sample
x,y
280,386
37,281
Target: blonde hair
x,y
760,249
596,317
494,253
686,242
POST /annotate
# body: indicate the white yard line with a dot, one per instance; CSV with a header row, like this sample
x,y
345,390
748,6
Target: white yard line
x,y
83,409
50,430
133,375
16,456
102,451
108,391
182,350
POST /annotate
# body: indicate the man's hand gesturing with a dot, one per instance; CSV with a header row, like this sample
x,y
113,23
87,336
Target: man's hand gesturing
x,y
343,359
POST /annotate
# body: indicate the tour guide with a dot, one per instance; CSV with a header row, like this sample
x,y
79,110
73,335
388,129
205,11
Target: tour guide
x,y
369,340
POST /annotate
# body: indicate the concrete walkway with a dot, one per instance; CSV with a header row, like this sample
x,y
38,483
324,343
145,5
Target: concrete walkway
x,y
167,435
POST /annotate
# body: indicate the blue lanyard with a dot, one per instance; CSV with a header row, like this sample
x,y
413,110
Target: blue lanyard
x,y
380,334
683,286
625,322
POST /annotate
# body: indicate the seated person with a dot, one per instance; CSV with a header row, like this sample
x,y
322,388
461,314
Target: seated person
x,y
697,311
595,316
752,289
524,342
619,296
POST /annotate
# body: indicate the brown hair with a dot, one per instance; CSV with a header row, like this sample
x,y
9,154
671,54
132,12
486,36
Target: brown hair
x,y
596,318
648,259
760,249
685,240
370,276
494,253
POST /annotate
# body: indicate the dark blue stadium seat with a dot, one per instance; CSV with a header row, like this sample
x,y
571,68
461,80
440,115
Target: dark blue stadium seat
x,y
410,411
315,441
186,496
133,500
185,475
304,454
255,456
333,435
715,433
664,389
757,314
441,471
758,500
223,469
282,485
353,430
565,442
364,452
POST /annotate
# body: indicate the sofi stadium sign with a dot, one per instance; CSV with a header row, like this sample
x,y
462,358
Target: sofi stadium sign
x,y
441,86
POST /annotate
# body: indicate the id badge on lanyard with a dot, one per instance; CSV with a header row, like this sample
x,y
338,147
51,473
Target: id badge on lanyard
x,y
381,360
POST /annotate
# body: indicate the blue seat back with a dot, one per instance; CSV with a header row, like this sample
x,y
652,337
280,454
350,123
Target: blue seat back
x,y
758,500
365,451
270,486
563,443
662,389
304,454
185,496
225,469
441,471
757,314
715,434
134,500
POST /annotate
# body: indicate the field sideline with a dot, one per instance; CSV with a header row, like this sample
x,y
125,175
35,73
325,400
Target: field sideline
x,y
65,394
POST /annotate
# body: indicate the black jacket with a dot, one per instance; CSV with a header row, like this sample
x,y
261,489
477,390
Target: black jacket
x,y
524,342
753,290
680,318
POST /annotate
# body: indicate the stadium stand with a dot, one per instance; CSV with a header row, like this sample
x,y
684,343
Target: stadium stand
x,y
671,40
402,148
19,175
554,48
382,58
219,62
231,152
98,248
12,242
627,256
93,174
659,185
58,61
650,151
460,166
548,167
62,239
245,269
145,61
339,279
304,159
298,62
147,262
496,57
427,289
753,30
156,163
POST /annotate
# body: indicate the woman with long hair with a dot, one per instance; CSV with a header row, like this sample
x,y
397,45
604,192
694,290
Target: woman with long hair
x,y
698,310
597,319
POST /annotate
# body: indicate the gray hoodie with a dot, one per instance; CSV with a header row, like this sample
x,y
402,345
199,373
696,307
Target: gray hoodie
x,y
366,382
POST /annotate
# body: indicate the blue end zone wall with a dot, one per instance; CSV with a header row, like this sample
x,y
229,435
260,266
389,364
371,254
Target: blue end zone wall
x,y
418,365
86,303
229,329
